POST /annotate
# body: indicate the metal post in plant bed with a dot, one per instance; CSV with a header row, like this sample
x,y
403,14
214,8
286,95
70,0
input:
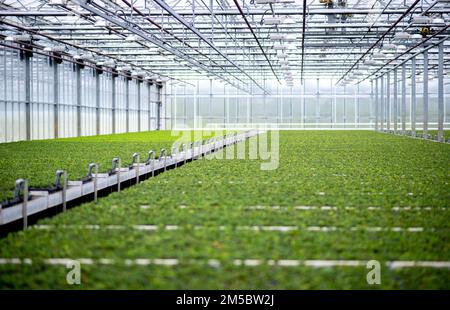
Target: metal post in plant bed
x,y
22,186
151,160
94,166
162,154
174,153
135,163
192,150
184,150
62,174
116,167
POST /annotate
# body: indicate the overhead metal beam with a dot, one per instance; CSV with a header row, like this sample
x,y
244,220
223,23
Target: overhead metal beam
x,y
411,49
152,39
184,22
380,38
294,11
255,37
303,39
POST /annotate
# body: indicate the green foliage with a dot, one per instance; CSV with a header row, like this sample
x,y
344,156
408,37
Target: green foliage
x,y
317,168
435,132
37,161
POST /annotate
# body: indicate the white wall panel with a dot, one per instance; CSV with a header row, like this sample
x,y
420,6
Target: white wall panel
x,y
95,94
312,105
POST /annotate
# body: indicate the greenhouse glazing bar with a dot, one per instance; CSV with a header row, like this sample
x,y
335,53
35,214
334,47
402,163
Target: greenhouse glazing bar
x,y
440,75
425,93
413,95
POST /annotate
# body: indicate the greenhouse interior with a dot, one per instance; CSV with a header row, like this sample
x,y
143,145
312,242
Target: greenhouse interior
x,y
225,144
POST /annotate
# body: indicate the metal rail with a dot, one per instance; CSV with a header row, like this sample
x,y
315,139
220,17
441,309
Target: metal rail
x,y
36,201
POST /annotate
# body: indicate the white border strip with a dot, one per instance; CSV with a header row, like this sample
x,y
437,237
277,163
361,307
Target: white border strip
x,y
332,208
217,263
321,208
243,227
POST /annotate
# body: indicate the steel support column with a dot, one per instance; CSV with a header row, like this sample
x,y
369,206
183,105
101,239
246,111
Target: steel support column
x,y
441,92
317,102
26,58
304,105
97,102
164,91
225,107
139,103
371,102
127,104
413,97
332,102
395,107
357,106
291,108
403,98
55,98
382,103
344,116
113,102
196,106
173,106
238,110
185,106
376,104
251,108
425,93
149,104
388,101
78,90
158,108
